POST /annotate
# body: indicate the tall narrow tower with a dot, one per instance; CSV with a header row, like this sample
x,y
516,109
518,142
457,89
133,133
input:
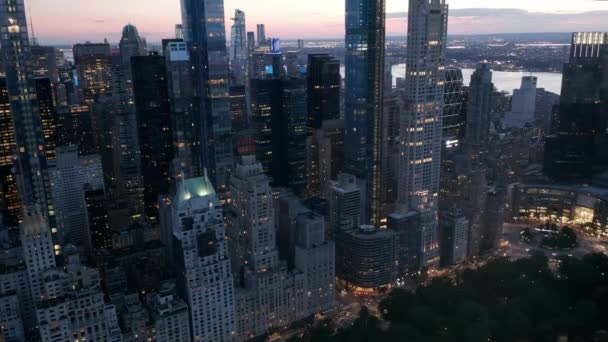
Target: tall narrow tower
x,y
576,153
252,229
31,168
238,48
204,31
365,35
421,124
261,31
203,266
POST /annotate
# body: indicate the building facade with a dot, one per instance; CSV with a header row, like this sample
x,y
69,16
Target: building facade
x,y
577,151
364,96
238,48
205,33
70,177
523,103
453,113
31,168
202,260
155,129
9,193
421,124
367,259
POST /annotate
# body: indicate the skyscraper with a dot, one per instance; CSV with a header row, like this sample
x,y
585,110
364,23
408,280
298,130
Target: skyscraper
x,y
454,234
364,90
250,42
238,108
32,174
479,107
238,48
325,155
75,127
185,126
453,114
523,105
315,256
267,64
205,277
344,204
421,124
48,115
44,62
10,202
93,67
324,83
204,31
179,31
97,219
269,294
69,174
279,116
252,230
153,110
261,31
576,153
126,154
131,44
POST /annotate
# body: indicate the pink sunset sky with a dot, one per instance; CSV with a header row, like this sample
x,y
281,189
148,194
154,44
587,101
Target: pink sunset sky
x,y
69,21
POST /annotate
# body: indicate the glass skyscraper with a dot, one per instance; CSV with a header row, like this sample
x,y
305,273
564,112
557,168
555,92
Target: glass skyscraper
x,y
453,113
153,110
31,168
9,196
364,91
577,152
204,31
238,48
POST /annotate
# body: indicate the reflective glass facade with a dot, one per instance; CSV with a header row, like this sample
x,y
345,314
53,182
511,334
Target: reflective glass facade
x,y
204,31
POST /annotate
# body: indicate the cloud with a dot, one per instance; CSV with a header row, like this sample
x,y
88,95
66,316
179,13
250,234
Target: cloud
x,y
510,20
482,12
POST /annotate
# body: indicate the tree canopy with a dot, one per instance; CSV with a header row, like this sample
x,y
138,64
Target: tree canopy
x,y
503,301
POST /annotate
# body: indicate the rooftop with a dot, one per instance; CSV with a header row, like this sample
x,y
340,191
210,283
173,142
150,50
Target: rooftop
x,y
193,188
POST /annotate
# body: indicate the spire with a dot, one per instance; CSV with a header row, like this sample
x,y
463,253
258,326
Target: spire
x,y
34,39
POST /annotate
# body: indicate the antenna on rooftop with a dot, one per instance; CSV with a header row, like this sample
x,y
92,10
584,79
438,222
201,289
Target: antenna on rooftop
x,y
34,40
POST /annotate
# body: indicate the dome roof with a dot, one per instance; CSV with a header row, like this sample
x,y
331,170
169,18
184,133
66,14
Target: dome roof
x,y
130,31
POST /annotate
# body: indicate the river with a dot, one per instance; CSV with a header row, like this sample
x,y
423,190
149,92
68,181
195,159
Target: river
x,y
503,80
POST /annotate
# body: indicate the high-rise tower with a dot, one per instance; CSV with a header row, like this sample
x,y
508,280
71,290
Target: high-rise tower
x,y
364,89
10,202
238,48
577,151
252,230
324,83
479,107
185,127
201,250
261,31
93,70
204,31
31,168
153,110
131,44
523,107
453,113
421,124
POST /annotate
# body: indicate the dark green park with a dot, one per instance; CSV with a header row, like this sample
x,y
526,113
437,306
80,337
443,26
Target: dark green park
x,y
504,301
